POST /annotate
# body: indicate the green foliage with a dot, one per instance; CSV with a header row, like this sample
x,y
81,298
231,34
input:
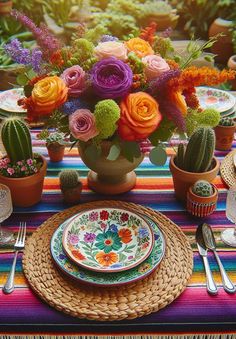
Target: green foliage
x,y
226,122
69,179
158,155
16,139
163,132
202,188
199,151
106,113
82,52
51,138
163,46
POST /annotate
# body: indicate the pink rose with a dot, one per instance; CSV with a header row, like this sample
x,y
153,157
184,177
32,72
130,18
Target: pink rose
x,y
154,66
82,125
29,162
111,49
74,78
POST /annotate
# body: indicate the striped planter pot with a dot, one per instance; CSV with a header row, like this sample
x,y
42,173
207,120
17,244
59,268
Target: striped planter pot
x,y
201,206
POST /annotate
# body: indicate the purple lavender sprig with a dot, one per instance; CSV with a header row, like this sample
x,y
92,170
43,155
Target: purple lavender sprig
x,y
46,41
107,37
170,110
24,56
167,33
158,85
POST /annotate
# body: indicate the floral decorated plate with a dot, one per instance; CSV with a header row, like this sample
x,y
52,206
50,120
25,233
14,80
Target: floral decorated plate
x,y
113,279
215,98
8,100
108,239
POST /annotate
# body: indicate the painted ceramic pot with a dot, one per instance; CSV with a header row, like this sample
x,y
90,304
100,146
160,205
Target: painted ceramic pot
x,y
110,177
224,137
201,206
183,179
26,191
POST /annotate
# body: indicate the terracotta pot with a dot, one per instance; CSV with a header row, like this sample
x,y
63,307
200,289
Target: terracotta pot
x,y
232,65
110,177
224,137
183,179
223,47
5,7
55,151
72,195
26,191
201,206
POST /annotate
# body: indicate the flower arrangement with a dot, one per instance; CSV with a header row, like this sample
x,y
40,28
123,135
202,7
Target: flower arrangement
x,y
125,91
21,168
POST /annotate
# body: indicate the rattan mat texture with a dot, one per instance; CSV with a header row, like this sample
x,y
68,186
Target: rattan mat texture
x,y
227,169
115,303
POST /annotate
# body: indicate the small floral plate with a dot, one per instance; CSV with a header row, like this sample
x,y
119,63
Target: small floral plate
x,y
215,98
113,279
108,239
8,100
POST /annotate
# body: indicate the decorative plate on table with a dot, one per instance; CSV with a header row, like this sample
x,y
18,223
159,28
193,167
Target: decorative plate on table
x,y
113,279
8,100
215,98
108,239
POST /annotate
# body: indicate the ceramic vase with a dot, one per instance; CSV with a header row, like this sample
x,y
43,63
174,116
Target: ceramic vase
x,y
183,179
110,177
223,47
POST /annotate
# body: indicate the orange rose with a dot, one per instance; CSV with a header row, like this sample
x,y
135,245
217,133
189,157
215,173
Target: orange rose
x,y
140,116
48,94
139,46
178,99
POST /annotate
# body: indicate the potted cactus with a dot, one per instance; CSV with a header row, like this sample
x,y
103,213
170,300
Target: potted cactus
x,y
225,134
194,162
21,170
71,186
55,143
202,198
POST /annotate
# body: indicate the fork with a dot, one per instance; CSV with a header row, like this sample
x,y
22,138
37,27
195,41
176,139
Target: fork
x,y
19,246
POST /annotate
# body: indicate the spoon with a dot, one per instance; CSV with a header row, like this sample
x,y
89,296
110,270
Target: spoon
x,y
211,244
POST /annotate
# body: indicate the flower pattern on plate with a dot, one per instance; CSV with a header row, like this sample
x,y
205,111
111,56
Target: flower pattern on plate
x,y
108,240
112,279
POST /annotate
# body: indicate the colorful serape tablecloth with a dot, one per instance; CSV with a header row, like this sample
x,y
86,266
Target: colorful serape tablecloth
x,y
195,311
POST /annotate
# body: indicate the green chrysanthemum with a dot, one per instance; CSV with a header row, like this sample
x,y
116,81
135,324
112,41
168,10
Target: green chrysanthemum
x,y
107,113
207,118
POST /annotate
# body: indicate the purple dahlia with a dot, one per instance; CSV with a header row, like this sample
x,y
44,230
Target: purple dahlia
x,y
111,78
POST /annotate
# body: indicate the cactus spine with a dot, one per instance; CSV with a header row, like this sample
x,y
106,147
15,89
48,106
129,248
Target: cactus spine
x,y
16,139
69,179
199,151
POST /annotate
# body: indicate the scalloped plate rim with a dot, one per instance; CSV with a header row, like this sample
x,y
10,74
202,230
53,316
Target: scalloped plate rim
x,y
92,283
115,270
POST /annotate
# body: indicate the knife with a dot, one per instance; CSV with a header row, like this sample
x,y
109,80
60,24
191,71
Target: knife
x,y
210,283
210,243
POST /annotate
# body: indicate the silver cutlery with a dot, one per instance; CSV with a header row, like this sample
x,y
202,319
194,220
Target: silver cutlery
x,y
210,283
19,246
211,244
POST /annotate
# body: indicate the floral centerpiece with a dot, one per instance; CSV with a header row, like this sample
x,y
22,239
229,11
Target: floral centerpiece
x,y
104,89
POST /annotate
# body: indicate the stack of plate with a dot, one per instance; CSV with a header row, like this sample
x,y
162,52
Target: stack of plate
x,y
8,102
222,101
108,246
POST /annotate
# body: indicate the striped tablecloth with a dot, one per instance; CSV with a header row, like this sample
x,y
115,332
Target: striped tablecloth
x,y
195,311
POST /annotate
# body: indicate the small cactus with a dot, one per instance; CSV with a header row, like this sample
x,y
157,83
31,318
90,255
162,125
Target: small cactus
x,y
16,139
226,122
69,179
199,152
202,188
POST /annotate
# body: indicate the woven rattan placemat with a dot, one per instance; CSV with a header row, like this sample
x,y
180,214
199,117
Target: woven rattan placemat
x,y
227,169
116,303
